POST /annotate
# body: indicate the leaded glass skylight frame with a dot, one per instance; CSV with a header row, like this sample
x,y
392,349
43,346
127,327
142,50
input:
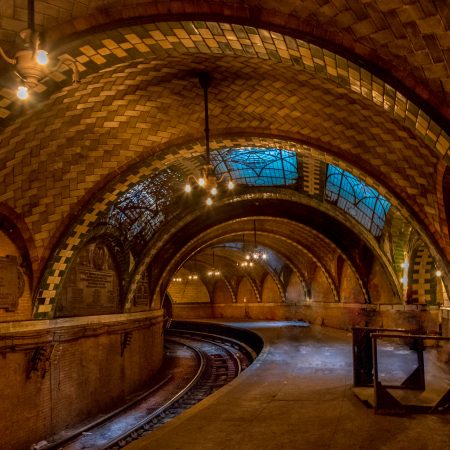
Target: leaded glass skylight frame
x,y
364,203
141,211
253,166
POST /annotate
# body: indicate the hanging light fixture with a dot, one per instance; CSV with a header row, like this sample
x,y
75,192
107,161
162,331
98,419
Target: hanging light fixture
x,y
245,264
255,254
207,180
193,275
213,272
31,63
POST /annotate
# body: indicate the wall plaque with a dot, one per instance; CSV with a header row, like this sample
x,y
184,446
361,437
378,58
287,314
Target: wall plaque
x,y
92,284
142,293
11,282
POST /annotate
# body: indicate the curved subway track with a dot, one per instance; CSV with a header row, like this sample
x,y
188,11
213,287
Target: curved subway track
x,y
200,362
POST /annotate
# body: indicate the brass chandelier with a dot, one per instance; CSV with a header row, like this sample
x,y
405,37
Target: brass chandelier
x,y
31,62
207,181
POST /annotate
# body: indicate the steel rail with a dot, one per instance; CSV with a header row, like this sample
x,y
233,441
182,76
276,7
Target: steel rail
x,y
203,391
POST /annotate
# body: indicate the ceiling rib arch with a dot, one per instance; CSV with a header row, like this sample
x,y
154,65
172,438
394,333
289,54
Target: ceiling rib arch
x,y
176,262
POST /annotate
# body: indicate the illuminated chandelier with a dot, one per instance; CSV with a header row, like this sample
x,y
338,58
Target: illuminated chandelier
x,y
213,272
207,180
193,275
31,63
254,254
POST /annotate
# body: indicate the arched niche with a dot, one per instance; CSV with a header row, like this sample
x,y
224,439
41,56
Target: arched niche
x,y
320,288
270,291
295,292
222,293
379,287
184,290
246,292
350,289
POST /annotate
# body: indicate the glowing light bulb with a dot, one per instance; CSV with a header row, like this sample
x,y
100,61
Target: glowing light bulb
x,y
214,191
230,185
264,256
209,201
22,92
201,182
42,57
438,273
187,188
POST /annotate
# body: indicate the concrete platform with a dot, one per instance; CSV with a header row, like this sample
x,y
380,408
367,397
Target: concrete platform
x,y
297,395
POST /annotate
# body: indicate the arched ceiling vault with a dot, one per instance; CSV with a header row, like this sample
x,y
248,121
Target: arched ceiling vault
x,y
76,236
295,251
138,107
109,132
273,264
407,41
289,239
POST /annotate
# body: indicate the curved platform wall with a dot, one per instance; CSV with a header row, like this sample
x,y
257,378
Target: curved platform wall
x,y
58,373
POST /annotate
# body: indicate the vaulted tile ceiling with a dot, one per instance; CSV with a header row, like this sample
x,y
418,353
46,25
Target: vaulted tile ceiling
x,y
361,85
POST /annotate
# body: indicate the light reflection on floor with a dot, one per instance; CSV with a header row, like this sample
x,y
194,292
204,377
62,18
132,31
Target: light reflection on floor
x,y
267,324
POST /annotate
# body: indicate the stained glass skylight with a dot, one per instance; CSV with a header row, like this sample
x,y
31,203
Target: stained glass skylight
x,y
141,211
362,202
257,166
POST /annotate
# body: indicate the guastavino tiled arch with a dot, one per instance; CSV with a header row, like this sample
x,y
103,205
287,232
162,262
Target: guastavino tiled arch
x,y
93,93
95,212
208,38
122,45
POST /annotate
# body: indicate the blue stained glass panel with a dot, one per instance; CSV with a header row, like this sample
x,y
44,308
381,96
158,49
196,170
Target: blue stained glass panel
x,y
142,210
356,198
257,166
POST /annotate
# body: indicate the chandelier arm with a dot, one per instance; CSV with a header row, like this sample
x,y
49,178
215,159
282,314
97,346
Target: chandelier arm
x,y
222,177
71,63
7,58
192,177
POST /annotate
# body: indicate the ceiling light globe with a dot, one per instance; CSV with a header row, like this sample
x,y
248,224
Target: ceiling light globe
x,y
214,191
201,182
22,92
438,273
230,185
209,201
187,188
42,57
